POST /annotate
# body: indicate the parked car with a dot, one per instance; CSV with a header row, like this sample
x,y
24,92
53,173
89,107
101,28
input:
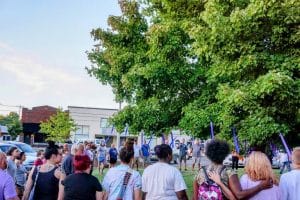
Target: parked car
x,y
29,152
5,147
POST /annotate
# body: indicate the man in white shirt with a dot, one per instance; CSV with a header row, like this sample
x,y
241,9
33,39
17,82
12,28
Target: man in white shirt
x,y
161,180
137,153
290,182
284,161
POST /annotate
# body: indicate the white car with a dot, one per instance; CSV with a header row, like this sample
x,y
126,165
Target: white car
x,y
228,161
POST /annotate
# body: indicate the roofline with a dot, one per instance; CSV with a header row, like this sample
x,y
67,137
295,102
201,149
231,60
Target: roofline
x,y
113,109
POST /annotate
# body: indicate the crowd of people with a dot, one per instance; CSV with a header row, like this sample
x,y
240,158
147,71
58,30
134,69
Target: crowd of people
x,y
60,173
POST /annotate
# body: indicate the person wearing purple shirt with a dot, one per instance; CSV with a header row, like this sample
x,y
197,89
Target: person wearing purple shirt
x,y
7,185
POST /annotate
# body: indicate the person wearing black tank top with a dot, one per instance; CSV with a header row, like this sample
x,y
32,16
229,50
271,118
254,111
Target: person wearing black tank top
x,y
48,176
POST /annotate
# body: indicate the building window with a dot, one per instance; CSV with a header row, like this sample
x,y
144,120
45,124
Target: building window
x,y
82,130
104,123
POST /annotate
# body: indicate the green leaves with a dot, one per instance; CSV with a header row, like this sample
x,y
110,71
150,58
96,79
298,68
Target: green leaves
x,y
13,124
181,63
58,127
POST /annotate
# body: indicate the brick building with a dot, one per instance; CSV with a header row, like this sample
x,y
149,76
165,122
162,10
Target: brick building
x,y
31,120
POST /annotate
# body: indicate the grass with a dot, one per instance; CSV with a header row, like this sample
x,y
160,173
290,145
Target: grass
x,y
188,177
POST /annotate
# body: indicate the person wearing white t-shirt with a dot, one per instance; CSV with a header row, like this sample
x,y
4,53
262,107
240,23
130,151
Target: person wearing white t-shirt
x,y
161,181
122,182
290,182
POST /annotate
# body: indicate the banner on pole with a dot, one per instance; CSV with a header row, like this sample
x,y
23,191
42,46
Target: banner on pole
x,y
285,145
212,135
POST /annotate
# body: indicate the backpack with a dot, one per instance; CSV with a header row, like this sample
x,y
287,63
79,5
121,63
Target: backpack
x,y
209,190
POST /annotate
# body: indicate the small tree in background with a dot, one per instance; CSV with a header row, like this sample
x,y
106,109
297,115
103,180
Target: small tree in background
x,y
13,124
58,127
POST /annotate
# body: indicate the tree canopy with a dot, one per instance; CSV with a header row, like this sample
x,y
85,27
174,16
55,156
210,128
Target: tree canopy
x,y
12,121
180,63
58,127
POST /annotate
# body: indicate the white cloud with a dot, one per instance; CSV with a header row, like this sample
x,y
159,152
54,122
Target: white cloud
x,y
31,72
30,81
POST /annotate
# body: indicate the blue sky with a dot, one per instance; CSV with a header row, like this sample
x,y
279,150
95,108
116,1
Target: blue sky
x,y
42,52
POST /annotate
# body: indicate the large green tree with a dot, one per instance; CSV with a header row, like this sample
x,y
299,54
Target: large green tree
x,y
12,121
181,63
58,127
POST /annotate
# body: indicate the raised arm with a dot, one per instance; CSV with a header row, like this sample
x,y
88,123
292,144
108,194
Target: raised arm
x,y
236,188
181,195
195,190
61,186
217,179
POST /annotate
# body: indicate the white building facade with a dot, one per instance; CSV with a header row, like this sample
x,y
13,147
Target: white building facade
x,y
92,123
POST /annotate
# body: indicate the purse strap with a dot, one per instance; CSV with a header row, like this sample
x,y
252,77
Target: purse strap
x,y
125,183
36,176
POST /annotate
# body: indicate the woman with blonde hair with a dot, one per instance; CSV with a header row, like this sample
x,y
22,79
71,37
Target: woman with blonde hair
x,y
258,168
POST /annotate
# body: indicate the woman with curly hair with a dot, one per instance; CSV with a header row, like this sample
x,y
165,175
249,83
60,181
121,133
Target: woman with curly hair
x,y
225,178
258,168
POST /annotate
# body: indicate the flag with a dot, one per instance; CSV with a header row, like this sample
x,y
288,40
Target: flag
x,y
107,139
285,145
112,130
172,140
162,138
150,138
212,136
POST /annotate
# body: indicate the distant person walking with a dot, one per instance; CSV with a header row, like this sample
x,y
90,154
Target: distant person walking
x,y
196,154
137,154
113,155
234,160
161,180
146,153
284,161
182,154
290,182
7,183
102,152
122,182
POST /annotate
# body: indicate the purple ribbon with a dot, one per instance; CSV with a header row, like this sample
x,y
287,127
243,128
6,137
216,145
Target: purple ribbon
x,y
172,140
162,138
112,130
142,137
107,139
212,130
285,145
